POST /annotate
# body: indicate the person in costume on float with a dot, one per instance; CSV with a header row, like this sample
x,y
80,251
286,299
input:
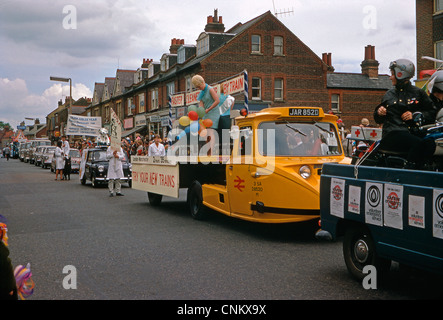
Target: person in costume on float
x,y
209,100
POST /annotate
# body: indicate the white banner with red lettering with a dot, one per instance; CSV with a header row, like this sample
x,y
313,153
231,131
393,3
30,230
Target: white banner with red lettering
x,y
155,174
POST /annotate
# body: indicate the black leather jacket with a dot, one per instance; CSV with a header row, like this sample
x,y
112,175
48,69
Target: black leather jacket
x,y
398,100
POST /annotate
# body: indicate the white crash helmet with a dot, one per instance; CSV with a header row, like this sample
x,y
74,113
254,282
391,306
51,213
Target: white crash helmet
x,y
404,69
436,82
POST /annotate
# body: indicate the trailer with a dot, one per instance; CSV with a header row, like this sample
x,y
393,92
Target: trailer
x,y
383,215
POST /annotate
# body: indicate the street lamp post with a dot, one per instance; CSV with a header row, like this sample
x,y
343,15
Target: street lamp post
x,y
70,92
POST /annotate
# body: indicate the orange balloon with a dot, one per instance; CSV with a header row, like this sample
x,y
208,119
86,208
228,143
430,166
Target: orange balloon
x,y
207,123
203,133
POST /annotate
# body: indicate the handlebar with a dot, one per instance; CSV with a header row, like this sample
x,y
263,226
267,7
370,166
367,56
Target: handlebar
x,y
432,126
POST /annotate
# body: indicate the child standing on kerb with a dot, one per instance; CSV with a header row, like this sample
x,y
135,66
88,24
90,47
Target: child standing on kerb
x,y
8,288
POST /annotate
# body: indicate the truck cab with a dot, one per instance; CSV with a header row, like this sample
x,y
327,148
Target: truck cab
x,y
269,170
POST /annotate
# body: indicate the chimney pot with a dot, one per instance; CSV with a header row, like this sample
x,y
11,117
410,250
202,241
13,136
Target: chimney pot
x,y
369,65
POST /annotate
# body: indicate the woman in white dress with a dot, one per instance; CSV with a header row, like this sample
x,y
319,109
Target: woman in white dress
x,y
59,163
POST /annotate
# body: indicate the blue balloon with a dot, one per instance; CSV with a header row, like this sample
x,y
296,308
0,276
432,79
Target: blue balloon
x,y
194,127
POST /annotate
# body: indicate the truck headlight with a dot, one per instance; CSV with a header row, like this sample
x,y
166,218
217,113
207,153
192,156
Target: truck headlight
x,y
305,172
101,168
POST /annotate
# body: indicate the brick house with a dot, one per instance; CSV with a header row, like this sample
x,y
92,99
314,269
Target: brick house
x,y
354,96
282,71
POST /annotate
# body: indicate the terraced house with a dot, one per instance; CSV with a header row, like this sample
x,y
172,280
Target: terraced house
x,y
282,71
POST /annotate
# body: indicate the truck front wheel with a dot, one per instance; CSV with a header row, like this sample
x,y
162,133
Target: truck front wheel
x,y
195,201
359,251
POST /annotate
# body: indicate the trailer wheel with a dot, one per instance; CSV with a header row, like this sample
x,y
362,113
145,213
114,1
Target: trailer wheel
x,y
195,201
359,251
154,199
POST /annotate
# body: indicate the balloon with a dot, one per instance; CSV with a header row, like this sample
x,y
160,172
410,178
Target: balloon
x,y
203,133
181,135
191,108
201,112
194,127
184,121
207,123
244,112
193,115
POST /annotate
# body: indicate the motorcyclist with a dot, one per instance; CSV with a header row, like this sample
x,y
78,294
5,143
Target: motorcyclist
x,y
436,89
395,113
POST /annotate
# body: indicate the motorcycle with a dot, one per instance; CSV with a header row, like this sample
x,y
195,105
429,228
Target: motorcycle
x,y
375,156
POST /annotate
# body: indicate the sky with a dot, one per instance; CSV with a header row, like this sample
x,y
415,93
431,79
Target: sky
x,y
88,40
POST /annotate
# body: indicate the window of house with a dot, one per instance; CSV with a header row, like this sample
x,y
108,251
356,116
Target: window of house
x,y
278,89
202,44
439,53
181,54
188,81
154,98
170,87
255,43
129,106
438,5
278,45
256,89
107,114
150,70
119,110
335,102
163,64
141,103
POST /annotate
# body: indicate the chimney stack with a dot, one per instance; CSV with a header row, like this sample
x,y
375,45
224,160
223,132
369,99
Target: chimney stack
x,y
175,44
327,59
369,65
146,63
215,23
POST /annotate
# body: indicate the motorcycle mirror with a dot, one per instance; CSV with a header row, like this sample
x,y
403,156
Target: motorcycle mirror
x,y
418,118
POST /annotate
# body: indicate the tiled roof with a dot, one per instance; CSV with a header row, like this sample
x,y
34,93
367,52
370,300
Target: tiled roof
x,y
357,81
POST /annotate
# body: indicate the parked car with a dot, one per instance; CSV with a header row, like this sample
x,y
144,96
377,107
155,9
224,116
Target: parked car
x,y
30,152
47,156
38,154
75,160
96,167
23,150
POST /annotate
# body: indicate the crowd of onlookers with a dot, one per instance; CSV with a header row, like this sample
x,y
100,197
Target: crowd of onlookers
x,y
139,145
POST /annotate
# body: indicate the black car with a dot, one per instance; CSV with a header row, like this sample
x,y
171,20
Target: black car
x,y
96,167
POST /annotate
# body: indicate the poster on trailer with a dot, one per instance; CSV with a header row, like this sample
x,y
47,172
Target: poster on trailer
x,y
437,216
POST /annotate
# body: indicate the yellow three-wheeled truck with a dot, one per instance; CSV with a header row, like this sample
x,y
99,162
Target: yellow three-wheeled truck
x,y
266,168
